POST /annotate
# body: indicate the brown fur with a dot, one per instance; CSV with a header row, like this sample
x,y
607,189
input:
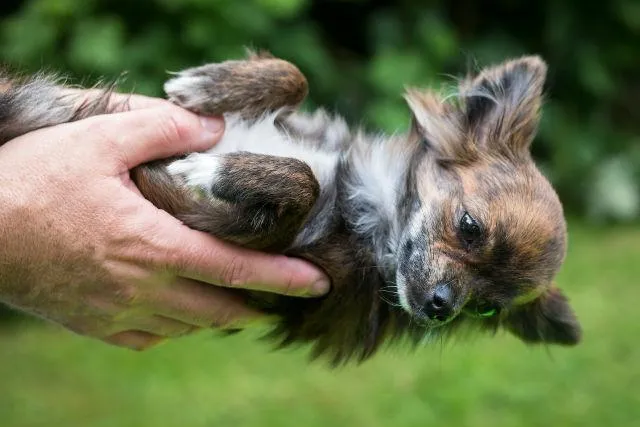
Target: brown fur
x,y
467,154
250,87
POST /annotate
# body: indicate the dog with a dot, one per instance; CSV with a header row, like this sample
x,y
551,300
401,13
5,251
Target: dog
x,y
446,228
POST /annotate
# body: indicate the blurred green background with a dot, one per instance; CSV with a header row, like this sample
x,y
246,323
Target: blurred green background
x,y
358,56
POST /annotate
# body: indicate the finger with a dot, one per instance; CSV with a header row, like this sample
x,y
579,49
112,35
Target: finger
x,y
118,102
202,257
161,326
135,340
121,102
125,102
153,133
197,303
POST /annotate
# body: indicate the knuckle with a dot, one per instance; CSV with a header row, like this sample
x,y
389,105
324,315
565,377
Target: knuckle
x,y
108,143
289,284
171,259
176,330
170,127
98,129
289,287
95,125
127,295
235,273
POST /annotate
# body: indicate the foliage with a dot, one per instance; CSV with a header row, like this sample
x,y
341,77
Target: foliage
x,y
359,55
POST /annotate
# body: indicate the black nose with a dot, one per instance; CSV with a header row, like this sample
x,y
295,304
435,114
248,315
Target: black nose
x,y
439,306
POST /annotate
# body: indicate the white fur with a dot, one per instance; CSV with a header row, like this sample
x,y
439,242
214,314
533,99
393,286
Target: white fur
x,y
197,169
184,84
188,90
401,285
415,232
333,128
379,169
261,137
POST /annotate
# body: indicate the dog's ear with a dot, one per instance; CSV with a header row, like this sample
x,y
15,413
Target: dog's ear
x,y
498,110
439,125
501,105
547,319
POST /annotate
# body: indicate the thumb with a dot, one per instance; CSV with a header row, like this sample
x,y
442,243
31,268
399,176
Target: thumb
x,y
141,136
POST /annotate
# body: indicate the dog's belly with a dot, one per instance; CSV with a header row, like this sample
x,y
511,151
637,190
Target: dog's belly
x,y
202,170
263,137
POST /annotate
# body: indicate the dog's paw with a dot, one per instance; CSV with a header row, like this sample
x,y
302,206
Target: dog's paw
x,y
198,171
249,87
198,89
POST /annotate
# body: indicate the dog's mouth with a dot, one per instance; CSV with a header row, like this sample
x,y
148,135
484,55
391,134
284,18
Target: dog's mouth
x,y
472,308
476,311
418,302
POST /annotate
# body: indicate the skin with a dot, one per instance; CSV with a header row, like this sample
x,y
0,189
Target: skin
x,y
80,246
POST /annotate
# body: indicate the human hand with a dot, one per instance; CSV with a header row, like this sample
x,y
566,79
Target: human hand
x,y
81,247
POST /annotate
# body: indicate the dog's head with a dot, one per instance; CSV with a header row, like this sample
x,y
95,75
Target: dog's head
x,y
484,232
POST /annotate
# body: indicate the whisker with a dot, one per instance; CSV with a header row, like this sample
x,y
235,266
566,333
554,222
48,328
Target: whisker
x,y
391,303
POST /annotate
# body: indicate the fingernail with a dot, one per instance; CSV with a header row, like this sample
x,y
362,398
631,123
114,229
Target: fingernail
x,y
212,124
319,288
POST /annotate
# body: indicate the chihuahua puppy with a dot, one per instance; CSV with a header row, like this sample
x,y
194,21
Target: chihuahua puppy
x,y
447,227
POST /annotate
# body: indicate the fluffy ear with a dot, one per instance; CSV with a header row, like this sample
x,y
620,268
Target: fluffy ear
x,y
501,105
547,319
439,124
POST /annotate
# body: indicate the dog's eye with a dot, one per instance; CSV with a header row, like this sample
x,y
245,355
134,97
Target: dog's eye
x,y
470,230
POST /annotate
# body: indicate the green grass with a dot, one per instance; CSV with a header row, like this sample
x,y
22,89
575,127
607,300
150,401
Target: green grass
x,y
52,378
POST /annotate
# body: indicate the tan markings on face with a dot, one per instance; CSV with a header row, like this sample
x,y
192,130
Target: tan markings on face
x,y
535,221
523,225
523,205
469,178
527,225
435,186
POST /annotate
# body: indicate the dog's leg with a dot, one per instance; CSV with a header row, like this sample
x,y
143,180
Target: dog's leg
x,y
250,87
258,201
255,200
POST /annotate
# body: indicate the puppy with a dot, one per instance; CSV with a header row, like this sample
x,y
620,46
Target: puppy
x,y
448,227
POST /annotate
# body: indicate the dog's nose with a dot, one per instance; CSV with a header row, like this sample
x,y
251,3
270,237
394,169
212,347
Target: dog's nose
x,y
439,305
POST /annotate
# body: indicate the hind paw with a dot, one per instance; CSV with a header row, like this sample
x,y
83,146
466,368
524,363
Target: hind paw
x,y
198,89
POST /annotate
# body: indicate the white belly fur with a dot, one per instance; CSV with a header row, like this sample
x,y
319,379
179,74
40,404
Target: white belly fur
x,y
261,137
